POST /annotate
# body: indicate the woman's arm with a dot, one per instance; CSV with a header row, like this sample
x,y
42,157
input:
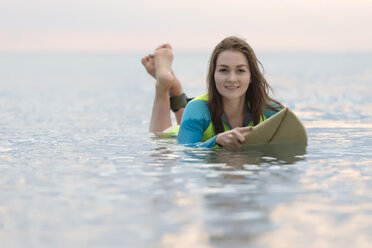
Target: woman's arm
x,y
195,120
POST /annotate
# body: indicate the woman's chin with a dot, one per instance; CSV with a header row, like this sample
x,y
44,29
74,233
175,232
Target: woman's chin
x,y
233,96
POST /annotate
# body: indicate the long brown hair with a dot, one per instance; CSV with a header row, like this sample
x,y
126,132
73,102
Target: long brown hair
x,y
258,91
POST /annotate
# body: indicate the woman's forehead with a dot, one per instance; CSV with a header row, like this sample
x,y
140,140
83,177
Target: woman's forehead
x,y
232,57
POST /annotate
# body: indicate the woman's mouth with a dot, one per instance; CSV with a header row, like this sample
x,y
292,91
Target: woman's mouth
x,y
232,87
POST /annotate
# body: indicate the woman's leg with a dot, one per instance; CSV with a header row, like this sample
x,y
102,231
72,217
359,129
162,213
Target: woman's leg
x,y
159,66
177,90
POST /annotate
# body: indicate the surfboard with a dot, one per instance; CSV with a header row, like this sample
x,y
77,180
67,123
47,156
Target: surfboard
x,y
284,126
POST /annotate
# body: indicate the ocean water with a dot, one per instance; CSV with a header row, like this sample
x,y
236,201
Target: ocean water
x,y
79,168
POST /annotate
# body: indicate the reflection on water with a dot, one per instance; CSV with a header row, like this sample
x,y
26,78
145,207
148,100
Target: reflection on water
x,y
275,154
230,202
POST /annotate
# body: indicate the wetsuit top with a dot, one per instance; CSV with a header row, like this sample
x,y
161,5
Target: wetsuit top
x,y
196,128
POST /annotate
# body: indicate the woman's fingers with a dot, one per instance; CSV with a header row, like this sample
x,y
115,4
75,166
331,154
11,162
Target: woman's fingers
x,y
244,130
233,138
237,138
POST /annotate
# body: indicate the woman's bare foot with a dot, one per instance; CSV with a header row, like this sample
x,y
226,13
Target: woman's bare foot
x,y
164,71
149,63
163,67
159,66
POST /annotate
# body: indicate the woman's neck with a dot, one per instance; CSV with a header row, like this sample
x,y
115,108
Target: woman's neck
x,y
234,110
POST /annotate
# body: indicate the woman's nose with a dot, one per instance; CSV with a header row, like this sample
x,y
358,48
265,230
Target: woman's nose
x,y
232,77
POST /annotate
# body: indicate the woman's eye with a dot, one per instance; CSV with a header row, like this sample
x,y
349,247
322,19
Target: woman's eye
x,y
241,70
222,70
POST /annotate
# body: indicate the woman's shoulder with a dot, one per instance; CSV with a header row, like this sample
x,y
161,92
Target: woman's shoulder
x,y
271,109
274,105
197,108
196,115
203,97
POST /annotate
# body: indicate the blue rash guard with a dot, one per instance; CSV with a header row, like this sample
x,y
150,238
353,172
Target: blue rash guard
x,y
197,118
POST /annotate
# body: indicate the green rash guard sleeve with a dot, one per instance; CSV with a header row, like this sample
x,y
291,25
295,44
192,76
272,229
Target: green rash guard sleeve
x,y
195,120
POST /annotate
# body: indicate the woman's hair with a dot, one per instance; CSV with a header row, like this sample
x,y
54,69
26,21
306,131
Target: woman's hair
x,y
258,91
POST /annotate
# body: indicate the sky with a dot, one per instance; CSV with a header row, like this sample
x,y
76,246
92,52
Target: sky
x,y
189,25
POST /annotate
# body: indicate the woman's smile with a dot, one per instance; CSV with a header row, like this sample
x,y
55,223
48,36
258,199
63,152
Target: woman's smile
x,y
232,87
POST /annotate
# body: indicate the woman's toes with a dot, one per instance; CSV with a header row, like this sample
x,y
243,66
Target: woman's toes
x,y
164,46
144,60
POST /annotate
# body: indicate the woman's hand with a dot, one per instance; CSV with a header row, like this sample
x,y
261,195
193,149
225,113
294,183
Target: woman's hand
x,y
233,138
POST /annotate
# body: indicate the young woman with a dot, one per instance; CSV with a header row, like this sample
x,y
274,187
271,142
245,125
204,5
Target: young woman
x,y
237,97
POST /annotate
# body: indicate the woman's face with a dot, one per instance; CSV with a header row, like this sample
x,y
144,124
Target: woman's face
x,y
232,75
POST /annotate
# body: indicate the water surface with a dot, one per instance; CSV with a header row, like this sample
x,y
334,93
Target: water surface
x,y
79,169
